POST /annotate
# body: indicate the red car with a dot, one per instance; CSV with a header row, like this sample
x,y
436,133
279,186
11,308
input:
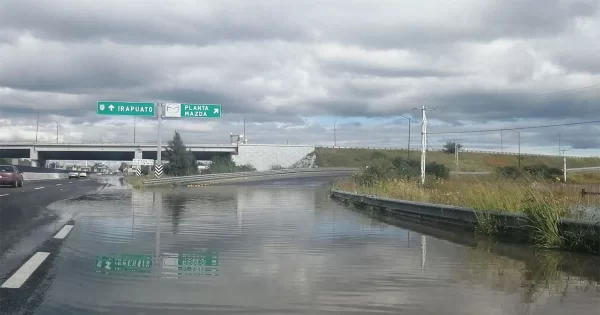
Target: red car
x,y
10,175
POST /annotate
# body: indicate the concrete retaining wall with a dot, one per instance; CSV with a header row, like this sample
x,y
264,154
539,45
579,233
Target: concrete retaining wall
x,y
263,157
580,235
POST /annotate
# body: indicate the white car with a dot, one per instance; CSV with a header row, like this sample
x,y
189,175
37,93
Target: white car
x,y
73,175
83,174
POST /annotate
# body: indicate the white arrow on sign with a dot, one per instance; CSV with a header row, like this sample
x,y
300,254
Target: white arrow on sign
x,y
216,111
111,107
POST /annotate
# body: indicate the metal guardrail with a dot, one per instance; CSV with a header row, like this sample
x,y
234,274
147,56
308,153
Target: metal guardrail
x,y
439,150
183,180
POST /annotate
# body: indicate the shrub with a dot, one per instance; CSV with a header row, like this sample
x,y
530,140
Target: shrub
x,y
276,167
543,171
377,170
438,170
405,168
508,172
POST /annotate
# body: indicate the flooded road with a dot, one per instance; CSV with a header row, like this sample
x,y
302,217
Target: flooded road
x,y
286,248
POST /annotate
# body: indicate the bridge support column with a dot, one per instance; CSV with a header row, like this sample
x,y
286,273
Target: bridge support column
x,y
36,161
138,154
14,161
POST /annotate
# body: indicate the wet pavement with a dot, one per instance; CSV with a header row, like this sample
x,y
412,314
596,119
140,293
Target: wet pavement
x,y
284,248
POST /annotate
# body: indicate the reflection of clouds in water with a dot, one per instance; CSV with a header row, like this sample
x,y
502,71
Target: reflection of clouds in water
x,y
293,250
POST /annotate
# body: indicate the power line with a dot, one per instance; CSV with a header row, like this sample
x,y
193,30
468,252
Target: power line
x,y
589,88
517,128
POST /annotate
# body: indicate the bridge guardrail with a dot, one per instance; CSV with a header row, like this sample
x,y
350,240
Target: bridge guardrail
x,y
182,180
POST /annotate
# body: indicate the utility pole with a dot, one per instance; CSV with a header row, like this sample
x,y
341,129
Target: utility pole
x,y
408,146
423,141
456,154
501,142
244,129
334,135
564,165
559,144
134,120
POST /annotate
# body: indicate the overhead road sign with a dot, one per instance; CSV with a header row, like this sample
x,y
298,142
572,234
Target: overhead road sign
x,y
192,110
125,108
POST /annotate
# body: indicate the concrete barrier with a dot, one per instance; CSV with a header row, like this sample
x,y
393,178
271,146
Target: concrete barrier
x,y
27,176
578,235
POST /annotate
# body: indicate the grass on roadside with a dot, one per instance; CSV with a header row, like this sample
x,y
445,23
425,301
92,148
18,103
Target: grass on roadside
x,y
469,161
544,203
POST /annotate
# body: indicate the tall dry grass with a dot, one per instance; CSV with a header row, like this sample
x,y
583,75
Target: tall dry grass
x,y
481,193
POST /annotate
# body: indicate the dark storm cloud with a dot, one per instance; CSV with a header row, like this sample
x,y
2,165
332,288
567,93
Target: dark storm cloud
x,y
355,68
477,63
532,18
140,22
505,106
79,73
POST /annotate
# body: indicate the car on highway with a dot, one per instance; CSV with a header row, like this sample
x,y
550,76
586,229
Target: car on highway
x,y
73,175
83,174
10,175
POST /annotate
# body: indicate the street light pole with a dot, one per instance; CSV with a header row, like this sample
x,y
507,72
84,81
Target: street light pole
x,y
244,129
408,146
37,126
134,120
334,135
56,131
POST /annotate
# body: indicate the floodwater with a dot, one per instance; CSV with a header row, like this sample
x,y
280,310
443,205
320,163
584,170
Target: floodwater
x,y
286,248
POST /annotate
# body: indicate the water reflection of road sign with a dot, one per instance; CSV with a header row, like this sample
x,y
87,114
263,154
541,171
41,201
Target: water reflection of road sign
x,y
198,264
133,263
203,263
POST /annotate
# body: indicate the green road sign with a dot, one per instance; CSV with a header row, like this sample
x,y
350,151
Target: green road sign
x,y
125,108
192,110
136,263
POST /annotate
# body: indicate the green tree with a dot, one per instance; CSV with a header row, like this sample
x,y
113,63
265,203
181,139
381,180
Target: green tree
x,y
181,161
4,161
451,146
122,167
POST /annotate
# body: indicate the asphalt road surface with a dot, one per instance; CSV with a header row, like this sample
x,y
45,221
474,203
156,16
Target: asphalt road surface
x,y
26,221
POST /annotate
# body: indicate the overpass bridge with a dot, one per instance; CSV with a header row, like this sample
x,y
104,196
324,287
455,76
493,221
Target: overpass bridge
x,y
261,156
39,153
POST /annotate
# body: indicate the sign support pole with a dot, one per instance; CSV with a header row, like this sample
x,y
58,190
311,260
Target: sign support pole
x,y
159,140
158,167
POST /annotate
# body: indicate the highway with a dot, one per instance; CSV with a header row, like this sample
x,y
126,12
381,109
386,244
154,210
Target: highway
x,y
281,247
25,219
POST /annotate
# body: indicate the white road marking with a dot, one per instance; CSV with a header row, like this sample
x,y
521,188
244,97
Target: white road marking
x,y
58,184
4,195
39,188
70,182
64,232
28,268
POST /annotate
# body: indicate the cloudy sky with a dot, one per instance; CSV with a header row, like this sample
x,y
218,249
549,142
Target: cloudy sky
x,y
292,68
